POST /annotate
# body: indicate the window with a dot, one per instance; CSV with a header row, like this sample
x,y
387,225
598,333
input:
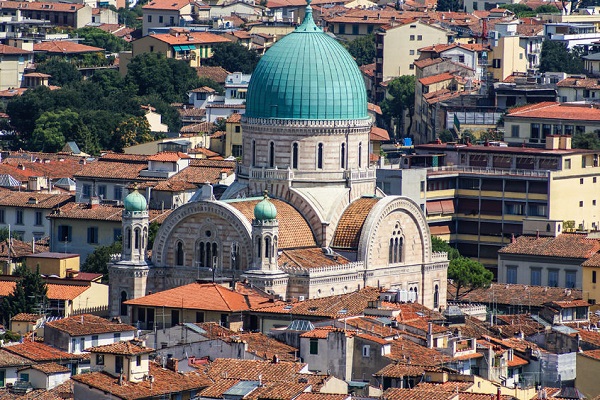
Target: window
x,y
412,52
179,254
411,66
19,217
1,215
138,361
117,234
461,59
343,156
272,155
536,277
359,155
320,156
171,21
593,202
514,131
118,192
314,346
355,29
419,37
570,279
151,49
86,190
73,345
64,233
38,218
295,156
82,344
511,274
567,163
160,19
253,153
238,129
99,359
117,335
102,191
366,350
535,132
236,150
581,204
553,278
92,235
123,311
396,247
593,276
412,37
581,181
496,62
199,316
149,18
94,340
342,29
436,296
24,377
119,364
207,254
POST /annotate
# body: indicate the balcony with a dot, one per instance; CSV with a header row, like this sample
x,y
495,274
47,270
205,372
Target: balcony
x,y
297,175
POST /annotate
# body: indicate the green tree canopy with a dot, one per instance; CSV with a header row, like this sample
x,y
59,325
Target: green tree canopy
x,y
587,140
555,57
468,273
449,5
63,72
400,99
362,49
438,244
54,128
233,57
132,131
29,296
520,10
104,40
547,9
97,261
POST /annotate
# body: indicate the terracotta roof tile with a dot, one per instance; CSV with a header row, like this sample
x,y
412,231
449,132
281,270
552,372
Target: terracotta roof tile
x,y
327,307
33,199
309,258
568,245
203,127
165,381
166,4
430,80
205,152
126,348
41,5
209,296
8,359
268,371
379,134
4,49
414,394
40,352
294,230
510,325
113,170
65,47
234,118
401,370
55,291
349,228
553,110
267,347
449,386
368,70
513,294
168,156
593,261
426,62
25,317
409,352
48,368
217,74
194,38
86,324
322,396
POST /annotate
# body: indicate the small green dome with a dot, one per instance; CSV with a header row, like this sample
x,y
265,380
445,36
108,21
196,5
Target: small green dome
x,y
307,75
265,210
135,202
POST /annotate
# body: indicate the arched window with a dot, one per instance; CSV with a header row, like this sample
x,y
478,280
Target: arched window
x,y
343,156
401,250
396,248
253,153
258,247
436,297
295,156
360,155
391,255
201,255
179,253
214,261
235,256
272,155
123,310
267,247
320,156
145,238
128,238
137,238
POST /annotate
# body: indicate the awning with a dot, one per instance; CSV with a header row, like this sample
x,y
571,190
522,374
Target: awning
x,y
177,48
447,206
434,207
439,230
192,47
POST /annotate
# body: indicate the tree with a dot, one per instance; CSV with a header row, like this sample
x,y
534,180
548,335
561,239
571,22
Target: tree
x,y
152,231
362,49
547,9
587,140
29,295
400,100
555,57
4,232
54,128
520,10
233,57
104,40
449,5
97,261
440,245
446,136
467,273
134,130
63,72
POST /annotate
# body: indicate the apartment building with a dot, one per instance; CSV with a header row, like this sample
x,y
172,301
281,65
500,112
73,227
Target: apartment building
x,y
477,197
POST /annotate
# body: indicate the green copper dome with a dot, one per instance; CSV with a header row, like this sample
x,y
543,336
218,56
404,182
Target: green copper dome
x,y
135,202
307,75
265,210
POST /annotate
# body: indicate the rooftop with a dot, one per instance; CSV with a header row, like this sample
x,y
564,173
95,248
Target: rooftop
x,y
565,245
558,111
87,324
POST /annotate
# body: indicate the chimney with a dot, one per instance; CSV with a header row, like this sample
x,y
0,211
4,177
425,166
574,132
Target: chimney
x,y
430,335
499,394
552,142
173,364
94,202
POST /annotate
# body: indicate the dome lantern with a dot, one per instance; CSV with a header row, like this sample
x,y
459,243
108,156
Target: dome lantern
x,y
265,210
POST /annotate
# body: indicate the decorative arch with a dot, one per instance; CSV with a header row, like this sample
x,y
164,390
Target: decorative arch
x,y
383,208
237,221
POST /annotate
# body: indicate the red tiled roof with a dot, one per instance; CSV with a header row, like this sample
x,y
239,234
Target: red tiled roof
x,y
48,368
42,5
375,108
348,231
414,394
309,258
25,317
294,230
40,352
166,4
401,370
430,80
506,293
197,296
426,62
55,291
4,49
553,110
379,134
33,199
165,383
65,47
217,74
8,359
126,348
86,324
194,38
253,369
567,245
168,156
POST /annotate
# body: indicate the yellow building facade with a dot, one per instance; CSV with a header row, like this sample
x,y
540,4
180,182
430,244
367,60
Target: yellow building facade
x,y
53,263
